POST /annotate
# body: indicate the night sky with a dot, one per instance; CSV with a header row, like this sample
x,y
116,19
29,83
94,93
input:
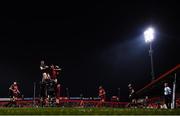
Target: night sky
x,y
95,43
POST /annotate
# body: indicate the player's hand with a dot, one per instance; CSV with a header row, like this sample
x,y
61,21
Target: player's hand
x,y
57,66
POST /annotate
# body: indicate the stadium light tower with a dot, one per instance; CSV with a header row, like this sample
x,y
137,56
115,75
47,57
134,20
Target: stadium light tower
x,y
149,37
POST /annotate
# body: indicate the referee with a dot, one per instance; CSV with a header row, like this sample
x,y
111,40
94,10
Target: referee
x,y
167,95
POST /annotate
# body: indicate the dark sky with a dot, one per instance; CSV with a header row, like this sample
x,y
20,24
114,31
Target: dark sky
x,y
96,43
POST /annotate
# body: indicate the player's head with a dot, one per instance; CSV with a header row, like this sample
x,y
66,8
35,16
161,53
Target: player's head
x,y
129,85
15,83
42,62
52,65
100,87
165,84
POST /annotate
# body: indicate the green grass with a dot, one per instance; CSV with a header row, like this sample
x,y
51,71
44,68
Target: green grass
x,y
86,111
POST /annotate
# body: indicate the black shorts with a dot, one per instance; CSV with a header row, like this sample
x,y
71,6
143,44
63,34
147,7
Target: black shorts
x,y
168,98
133,96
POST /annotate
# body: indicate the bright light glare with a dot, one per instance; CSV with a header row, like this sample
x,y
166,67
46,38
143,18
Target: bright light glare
x,y
149,35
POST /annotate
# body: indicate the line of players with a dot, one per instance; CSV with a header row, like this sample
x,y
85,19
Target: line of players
x,y
50,88
15,93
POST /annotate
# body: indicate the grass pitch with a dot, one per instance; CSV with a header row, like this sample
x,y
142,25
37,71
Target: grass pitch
x,y
86,111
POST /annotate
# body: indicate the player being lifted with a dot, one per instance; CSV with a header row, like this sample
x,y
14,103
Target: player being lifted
x,y
45,71
54,72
